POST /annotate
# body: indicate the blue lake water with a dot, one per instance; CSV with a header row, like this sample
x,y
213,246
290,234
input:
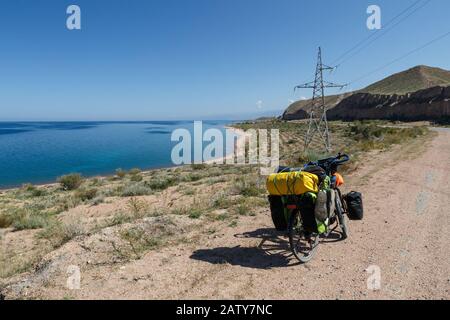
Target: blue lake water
x,y
39,152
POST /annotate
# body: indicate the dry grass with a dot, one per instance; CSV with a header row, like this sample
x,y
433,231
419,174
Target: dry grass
x,y
206,195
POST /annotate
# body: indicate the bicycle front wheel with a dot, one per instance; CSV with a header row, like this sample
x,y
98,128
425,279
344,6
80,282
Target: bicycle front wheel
x,y
303,244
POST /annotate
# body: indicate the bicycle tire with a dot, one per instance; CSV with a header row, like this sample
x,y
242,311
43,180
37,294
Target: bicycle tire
x,y
293,234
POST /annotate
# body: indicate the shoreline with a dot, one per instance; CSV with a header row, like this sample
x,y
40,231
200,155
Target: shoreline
x,y
241,135
241,138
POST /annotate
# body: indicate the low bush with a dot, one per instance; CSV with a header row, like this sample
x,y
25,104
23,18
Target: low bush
x,y
134,171
5,221
136,189
200,166
25,219
138,208
121,173
136,178
246,186
70,182
61,232
194,213
86,194
160,183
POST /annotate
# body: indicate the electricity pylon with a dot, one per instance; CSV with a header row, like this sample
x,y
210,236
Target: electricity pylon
x,y
318,123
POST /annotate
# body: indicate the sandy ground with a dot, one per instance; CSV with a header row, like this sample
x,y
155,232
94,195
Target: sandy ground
x,y
404,238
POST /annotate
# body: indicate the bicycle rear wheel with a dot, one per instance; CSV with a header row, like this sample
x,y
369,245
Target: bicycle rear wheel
x,y
303,244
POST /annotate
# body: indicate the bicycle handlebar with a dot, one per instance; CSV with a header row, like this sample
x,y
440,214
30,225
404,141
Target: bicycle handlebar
x,y
345,158
330,165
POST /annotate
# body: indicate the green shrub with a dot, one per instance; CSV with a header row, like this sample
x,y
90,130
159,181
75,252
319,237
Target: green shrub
x,y
32,191
138,241
246,186
371,136
121,173
160,183
221,201
24,220
136,178
97,200
138,208
136,189
194,213
28,187
192,177
59,233
134,171
200,166
71,181
86,194
119,218
242,209
5,221
187,191
38,193
69,202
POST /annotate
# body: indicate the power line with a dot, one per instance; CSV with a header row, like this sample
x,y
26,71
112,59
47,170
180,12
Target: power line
x,y
402,57
375,32
383,33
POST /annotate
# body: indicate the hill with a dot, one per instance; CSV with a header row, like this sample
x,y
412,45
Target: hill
x,y
412,80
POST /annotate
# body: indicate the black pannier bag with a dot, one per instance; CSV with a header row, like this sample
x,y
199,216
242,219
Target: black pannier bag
x,y
278,213
354,205
307,205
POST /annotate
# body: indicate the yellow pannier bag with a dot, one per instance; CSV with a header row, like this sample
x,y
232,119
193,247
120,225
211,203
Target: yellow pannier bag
x,y
292,183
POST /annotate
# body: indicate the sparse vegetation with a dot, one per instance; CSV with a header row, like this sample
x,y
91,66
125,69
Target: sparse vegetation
x,y
136,189
138,208
58,233
143,203
137,240
134,171
71,181
194,213
5,221
246,186
121,173
136,178
86,194
201,166
369,136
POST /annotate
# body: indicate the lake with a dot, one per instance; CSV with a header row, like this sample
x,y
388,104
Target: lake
x,y
39,152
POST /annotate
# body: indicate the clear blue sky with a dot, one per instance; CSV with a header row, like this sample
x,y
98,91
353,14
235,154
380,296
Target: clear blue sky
x,y
168,59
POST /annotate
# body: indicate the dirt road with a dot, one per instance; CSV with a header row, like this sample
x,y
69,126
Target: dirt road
x,y
405,236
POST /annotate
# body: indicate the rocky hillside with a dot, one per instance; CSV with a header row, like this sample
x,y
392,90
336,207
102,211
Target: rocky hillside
x,y
299,109
427,104
394,90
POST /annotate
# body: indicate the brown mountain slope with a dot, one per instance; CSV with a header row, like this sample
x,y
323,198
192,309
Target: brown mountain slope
x,y
411,80
414,79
